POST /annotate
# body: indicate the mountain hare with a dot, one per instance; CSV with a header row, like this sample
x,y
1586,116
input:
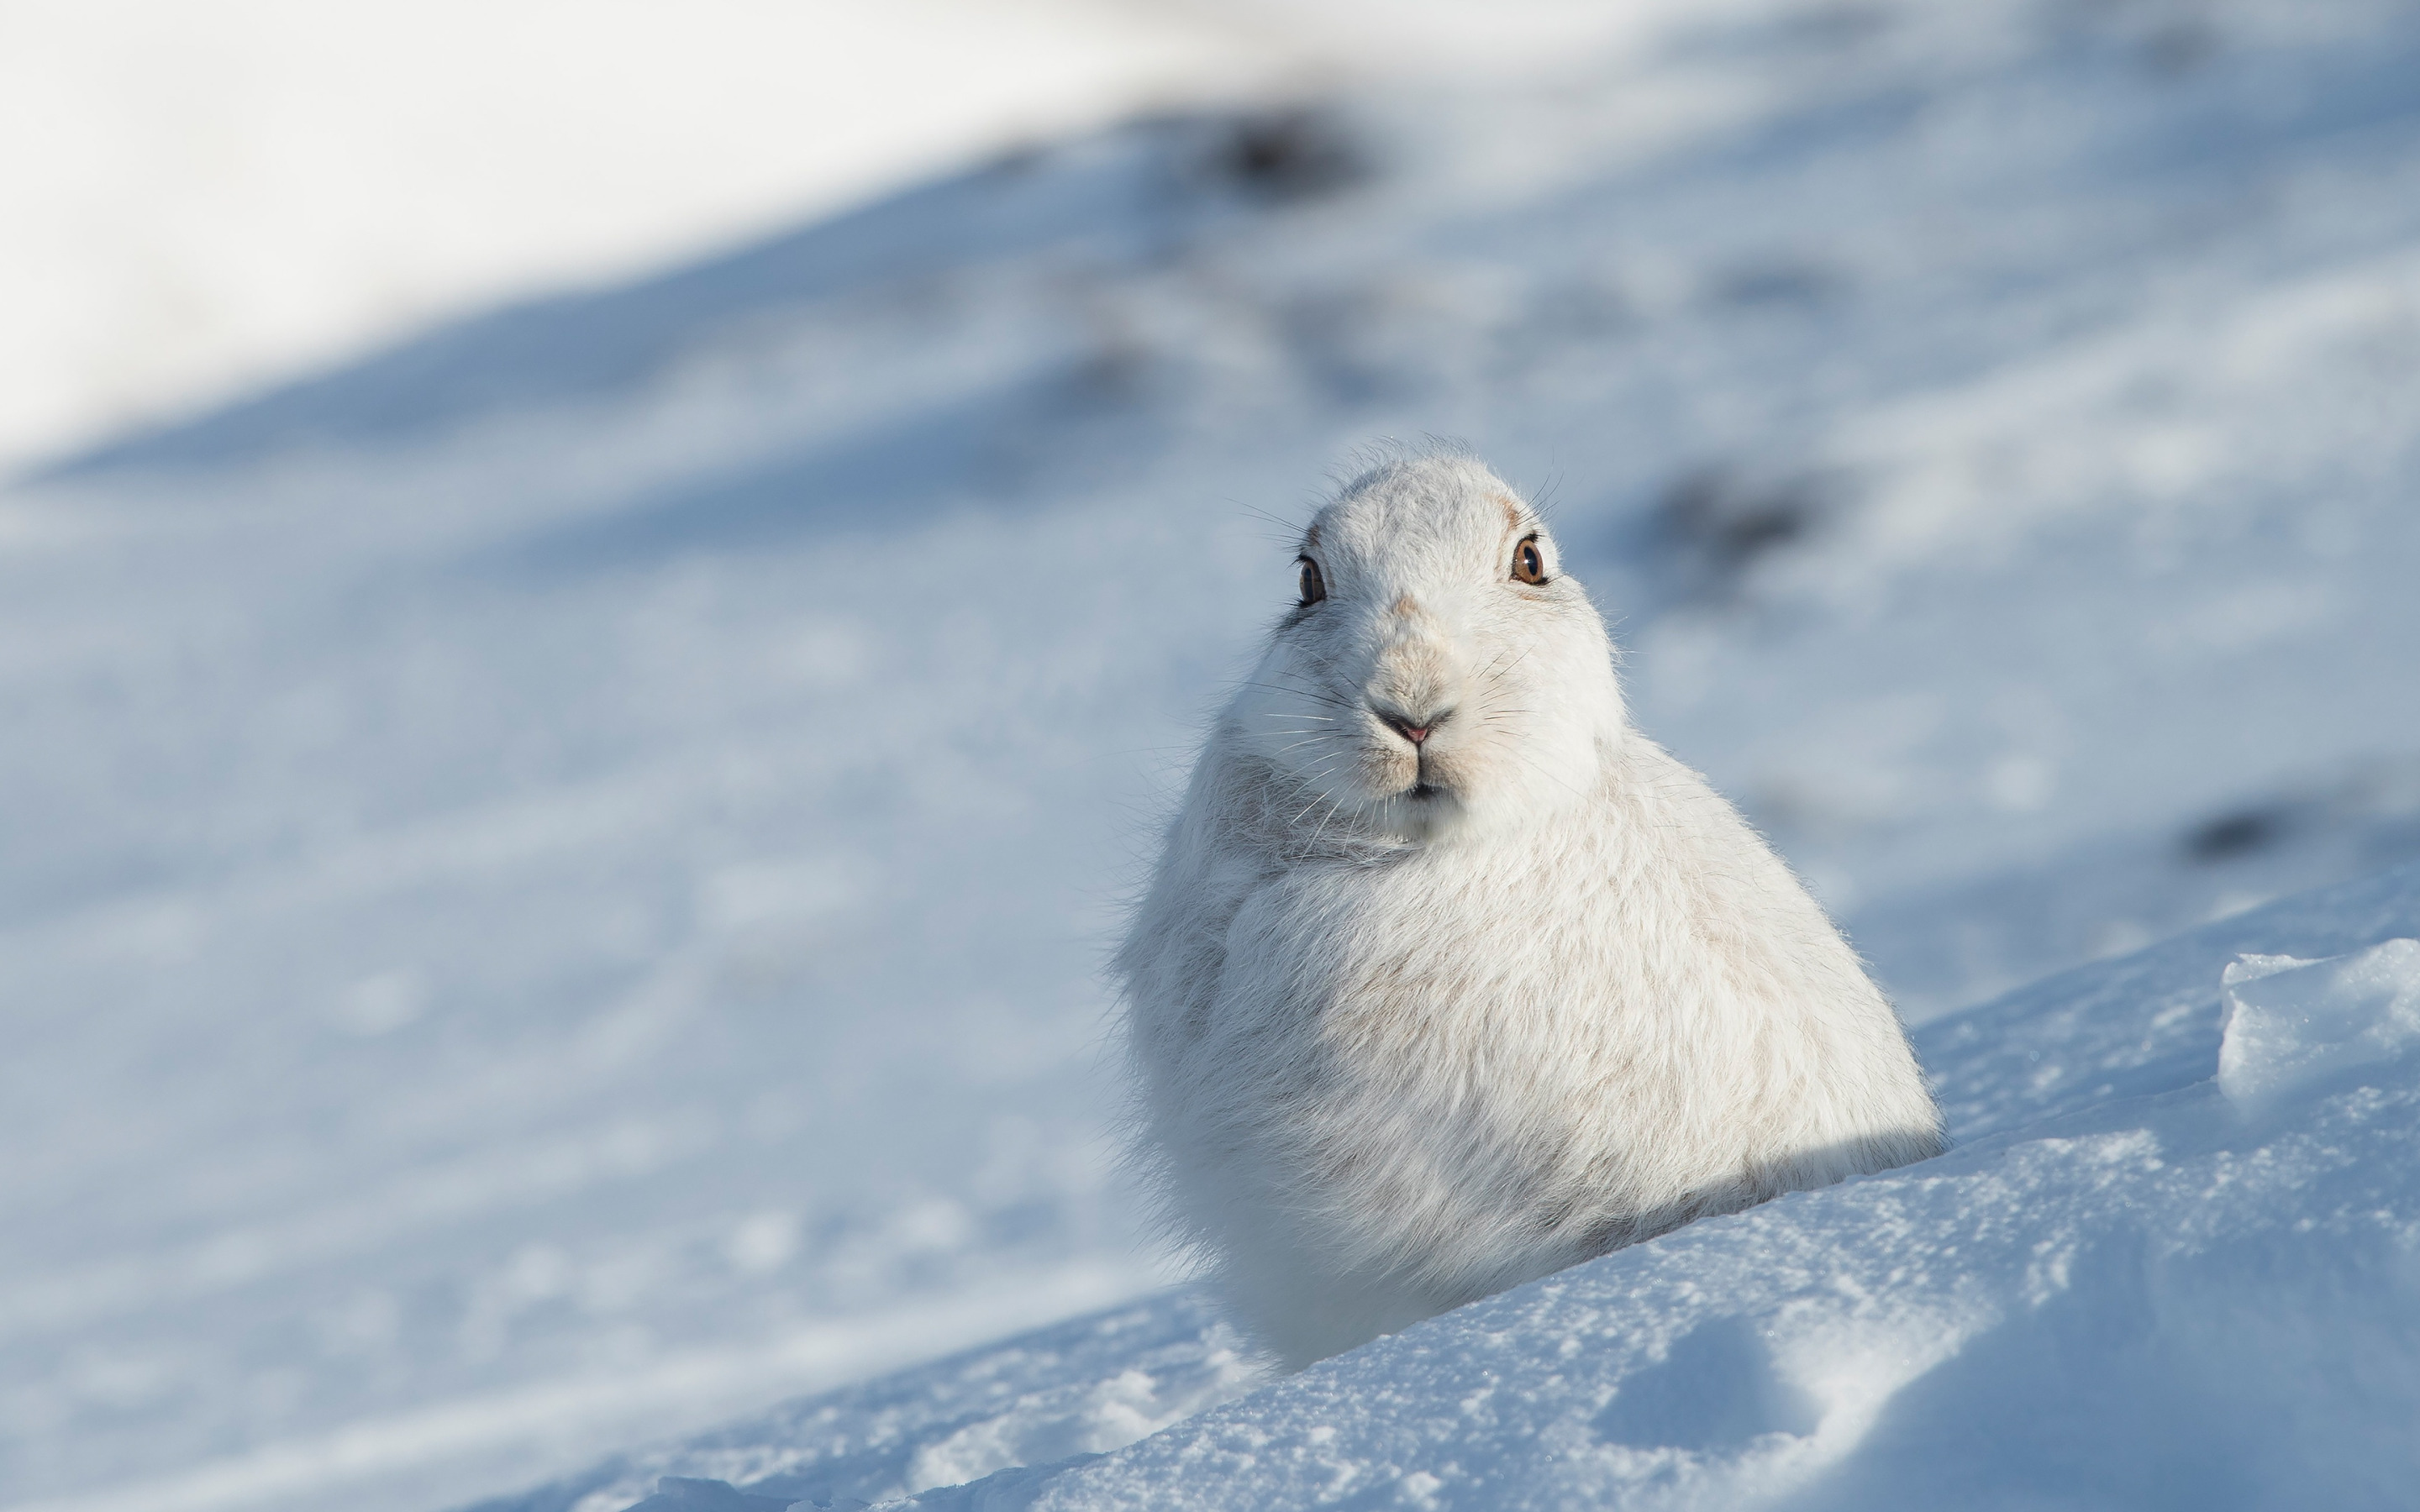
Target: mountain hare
x,y
1446,977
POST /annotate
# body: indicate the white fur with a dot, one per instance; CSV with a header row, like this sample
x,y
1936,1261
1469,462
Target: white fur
x,y
1413,1024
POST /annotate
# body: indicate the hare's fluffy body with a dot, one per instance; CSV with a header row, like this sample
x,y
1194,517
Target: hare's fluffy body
x,y
1415,1020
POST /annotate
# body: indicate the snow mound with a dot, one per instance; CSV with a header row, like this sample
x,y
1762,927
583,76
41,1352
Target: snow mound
x,y
2119,1290
2290,1023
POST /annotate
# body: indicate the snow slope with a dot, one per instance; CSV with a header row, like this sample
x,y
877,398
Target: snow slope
x,y
2169,1263
204,195
555,875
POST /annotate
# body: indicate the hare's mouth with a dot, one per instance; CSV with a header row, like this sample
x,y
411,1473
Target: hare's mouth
x,y
1423,811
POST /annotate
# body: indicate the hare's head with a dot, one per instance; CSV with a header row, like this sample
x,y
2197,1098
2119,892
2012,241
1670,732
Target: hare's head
x,y
1440,672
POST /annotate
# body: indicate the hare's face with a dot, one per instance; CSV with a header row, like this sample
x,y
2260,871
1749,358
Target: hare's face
x,y
1441,672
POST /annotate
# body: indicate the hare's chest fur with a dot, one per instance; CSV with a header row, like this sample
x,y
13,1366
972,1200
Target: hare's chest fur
x,y
1430,1046
1408,1083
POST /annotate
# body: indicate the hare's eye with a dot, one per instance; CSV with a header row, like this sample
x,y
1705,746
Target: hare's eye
x,y
1528,563
1314,587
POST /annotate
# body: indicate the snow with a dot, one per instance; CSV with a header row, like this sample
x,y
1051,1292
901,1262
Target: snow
x,y
2290,1023
2124,1287
204,197
556,873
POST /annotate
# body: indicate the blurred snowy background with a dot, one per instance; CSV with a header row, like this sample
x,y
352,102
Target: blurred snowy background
x,y
598,600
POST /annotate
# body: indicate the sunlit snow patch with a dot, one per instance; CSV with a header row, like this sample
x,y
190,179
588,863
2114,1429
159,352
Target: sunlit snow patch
x,y
2290,1023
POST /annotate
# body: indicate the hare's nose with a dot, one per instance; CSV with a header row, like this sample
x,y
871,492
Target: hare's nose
x,y
1418,732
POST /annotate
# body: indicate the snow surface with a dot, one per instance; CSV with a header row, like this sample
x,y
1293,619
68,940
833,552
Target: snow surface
x,y
2172,1262
555,875
202,195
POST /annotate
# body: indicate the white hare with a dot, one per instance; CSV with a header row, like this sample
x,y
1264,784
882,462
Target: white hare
x,y
1448,978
